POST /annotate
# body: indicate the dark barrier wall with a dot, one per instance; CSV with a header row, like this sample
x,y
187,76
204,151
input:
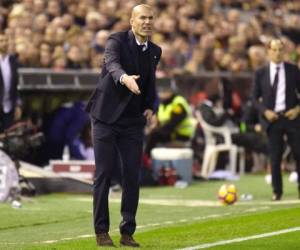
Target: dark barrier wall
x,y
44,90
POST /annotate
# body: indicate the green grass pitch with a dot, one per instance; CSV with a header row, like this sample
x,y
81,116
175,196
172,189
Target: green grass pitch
x,y
168,218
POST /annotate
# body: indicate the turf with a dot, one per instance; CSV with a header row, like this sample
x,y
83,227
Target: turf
x,y
168,218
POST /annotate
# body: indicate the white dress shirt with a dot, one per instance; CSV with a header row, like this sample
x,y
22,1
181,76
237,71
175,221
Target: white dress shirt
x,y
6,76
145,44
280,94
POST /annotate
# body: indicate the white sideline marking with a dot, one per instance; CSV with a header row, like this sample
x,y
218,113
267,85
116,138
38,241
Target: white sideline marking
x,y
258,236
256,209
138,227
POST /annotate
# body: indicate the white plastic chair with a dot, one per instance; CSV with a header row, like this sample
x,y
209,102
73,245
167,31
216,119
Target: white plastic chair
x,y
212,149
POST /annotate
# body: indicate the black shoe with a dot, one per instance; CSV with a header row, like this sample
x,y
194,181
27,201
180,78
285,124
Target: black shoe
x,y
276,197
104,240
128,241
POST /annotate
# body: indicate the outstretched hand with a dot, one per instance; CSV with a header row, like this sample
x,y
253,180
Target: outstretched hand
x,y
130,82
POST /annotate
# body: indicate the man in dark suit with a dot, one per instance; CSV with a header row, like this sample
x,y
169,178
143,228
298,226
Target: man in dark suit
x,y
276,95
9,101
123,101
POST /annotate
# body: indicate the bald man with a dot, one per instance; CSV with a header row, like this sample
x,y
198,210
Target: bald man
x,y
120,106
276,95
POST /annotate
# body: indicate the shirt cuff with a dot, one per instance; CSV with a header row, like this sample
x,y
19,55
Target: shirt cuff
x,y
121,78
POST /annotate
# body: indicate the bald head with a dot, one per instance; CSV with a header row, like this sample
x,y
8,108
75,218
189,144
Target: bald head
x,y
141,21
140,8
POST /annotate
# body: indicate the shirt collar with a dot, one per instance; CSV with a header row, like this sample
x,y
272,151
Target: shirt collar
x,y
274,65
144,43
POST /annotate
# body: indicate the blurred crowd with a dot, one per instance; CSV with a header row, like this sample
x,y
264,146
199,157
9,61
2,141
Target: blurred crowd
x,y
194,35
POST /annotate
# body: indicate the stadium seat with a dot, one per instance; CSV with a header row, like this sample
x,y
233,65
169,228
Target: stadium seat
x,y
212,148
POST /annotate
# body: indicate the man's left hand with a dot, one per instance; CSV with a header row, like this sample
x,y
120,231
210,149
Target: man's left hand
x,y
292,114
148,113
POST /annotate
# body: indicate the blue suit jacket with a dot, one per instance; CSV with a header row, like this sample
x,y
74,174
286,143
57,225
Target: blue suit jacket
x,y
110,98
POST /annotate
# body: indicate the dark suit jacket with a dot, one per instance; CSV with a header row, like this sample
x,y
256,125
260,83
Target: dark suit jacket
x,y
13,83
262,90
110,97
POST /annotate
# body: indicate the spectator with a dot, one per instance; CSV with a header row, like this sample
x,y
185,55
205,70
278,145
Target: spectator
x,y
168,60
40,23
39,7
10,109
257,57
74,58
53,9
60,36
45,59
94,21
174,120
196,63
65,128
85,143
59,62
223,29
67,21
210,111
100,40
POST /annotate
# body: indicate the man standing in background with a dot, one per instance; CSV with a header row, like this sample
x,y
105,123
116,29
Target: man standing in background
x,y
276,95
122,103
9,101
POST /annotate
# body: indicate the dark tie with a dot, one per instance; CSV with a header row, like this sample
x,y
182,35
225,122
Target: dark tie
x,y
142,47
274,87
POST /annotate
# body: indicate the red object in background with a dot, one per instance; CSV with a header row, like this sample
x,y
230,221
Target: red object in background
x,y
171,176
74,168
167,175
196,168
201,96
161,176
198,98
146,161
236,101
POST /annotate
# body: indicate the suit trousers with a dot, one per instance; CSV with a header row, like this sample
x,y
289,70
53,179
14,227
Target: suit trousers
x,y
276,132
6,120
114,144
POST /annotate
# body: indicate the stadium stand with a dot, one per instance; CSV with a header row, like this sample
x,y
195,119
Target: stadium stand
x,y
206,35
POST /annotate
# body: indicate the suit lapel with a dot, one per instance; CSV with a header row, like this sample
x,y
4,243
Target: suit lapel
x,y
287,80
267,80
133,49
152,56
